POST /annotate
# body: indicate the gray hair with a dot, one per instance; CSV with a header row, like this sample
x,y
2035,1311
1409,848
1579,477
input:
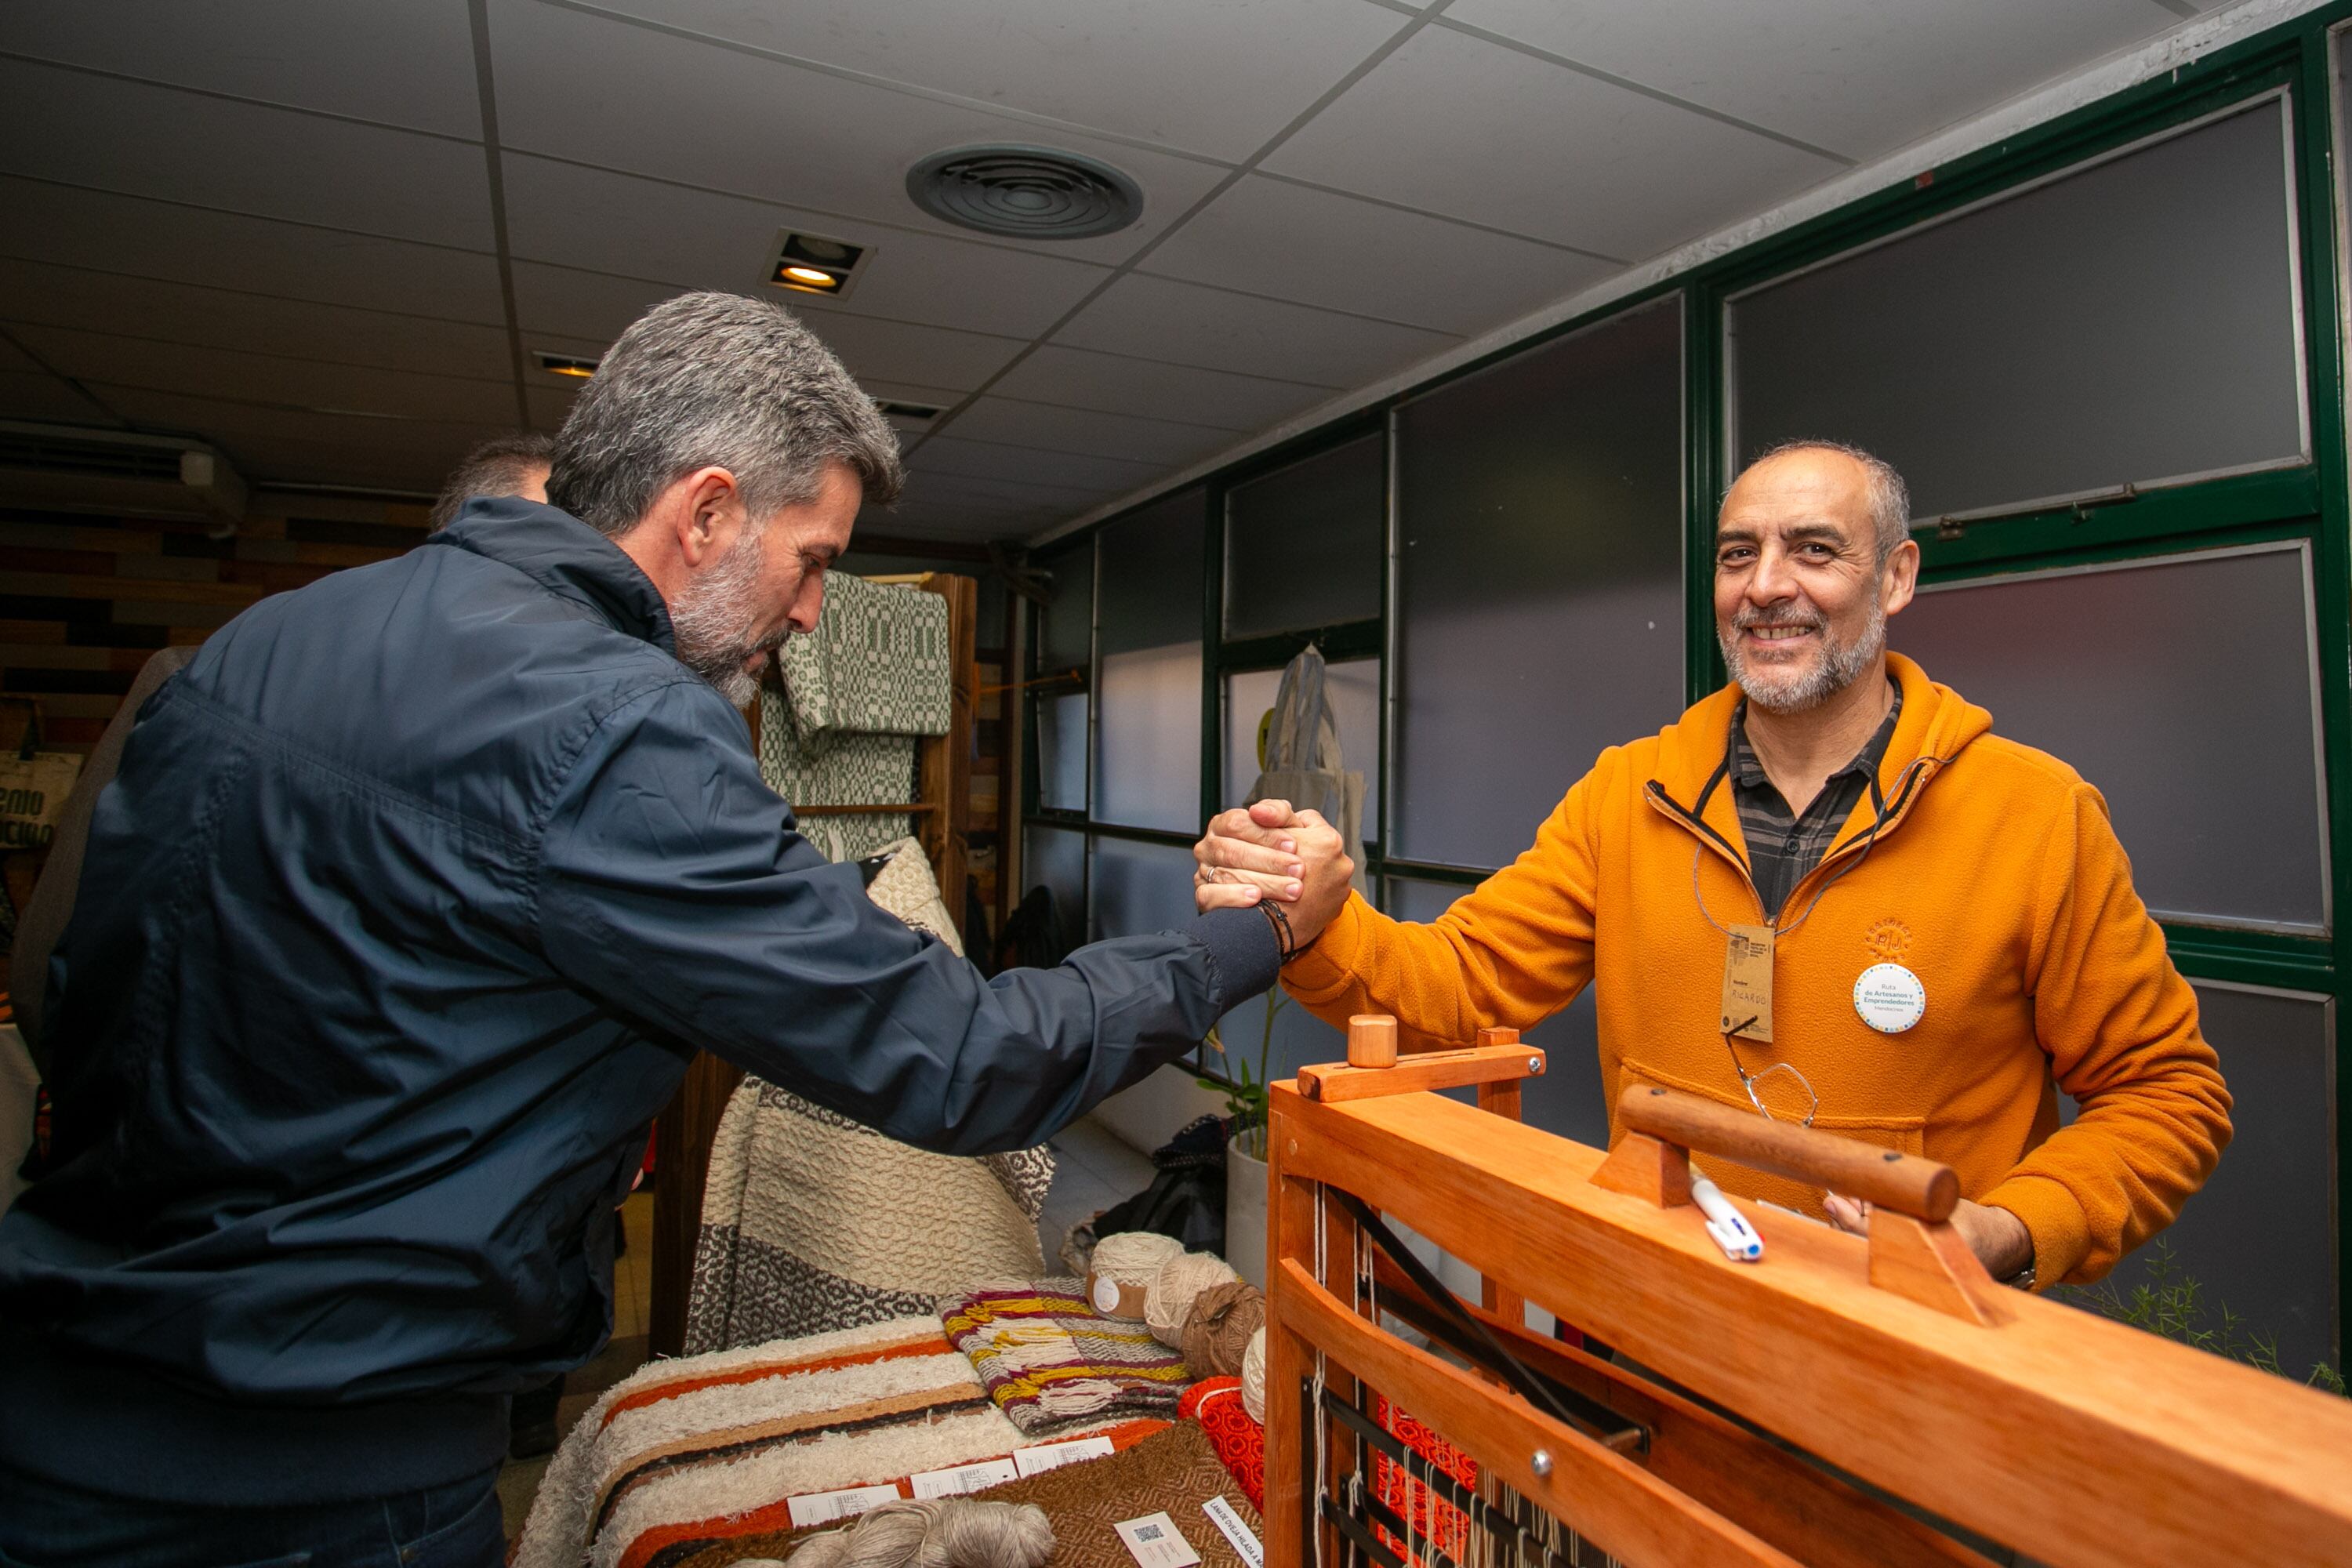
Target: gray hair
x,y
1888,496
716,380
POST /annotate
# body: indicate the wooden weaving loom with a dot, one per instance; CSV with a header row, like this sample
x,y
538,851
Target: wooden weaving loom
x,y
2069,1438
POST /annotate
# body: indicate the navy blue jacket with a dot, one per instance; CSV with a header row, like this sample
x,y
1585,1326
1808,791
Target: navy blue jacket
x,y
412,898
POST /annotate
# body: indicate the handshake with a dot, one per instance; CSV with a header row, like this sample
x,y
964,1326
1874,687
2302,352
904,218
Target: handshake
x,y
1269,852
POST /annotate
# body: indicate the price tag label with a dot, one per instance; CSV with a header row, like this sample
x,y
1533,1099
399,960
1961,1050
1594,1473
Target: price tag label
x,y
1228,1518
1046,1457
1748,983
963,1478
1154,1542
824,1508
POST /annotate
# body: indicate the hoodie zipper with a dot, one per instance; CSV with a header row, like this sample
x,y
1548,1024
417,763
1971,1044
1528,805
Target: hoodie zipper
x,y
1914,778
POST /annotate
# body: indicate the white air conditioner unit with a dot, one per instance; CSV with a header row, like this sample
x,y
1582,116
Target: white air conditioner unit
x,y
162,476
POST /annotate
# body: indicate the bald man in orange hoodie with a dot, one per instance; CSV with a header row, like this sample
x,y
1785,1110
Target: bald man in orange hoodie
x,y
1946,916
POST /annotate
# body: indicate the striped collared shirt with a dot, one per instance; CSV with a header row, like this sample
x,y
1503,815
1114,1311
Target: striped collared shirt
x,y
1782,847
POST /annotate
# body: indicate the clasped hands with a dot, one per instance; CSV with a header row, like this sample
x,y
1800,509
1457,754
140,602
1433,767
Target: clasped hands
x,y
1270,851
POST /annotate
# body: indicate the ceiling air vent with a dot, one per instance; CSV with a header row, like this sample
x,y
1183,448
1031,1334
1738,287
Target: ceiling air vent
x,y
1026,192
69,465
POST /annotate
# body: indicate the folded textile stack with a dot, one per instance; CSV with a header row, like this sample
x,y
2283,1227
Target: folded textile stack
x,y
1233,1432
713,1449
1174,1472
1049,1361
875,676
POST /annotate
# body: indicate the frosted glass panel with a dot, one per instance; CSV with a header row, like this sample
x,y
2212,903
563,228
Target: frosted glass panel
x,y
1065,625
2260,1236
1057,861
1151,575
1062,752
1540,589
1567,1100
2130,322
1148,738
1353,689
1303,545
2183,690
1140,888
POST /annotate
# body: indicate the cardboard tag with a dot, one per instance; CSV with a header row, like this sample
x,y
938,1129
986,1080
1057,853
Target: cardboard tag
x,y
1748,983
1236,1530
1154,1542
1046,1457
963,1478
823,1508
1114,1299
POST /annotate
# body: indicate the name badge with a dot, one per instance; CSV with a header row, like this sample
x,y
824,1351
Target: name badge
x,y
1889,998
1748,983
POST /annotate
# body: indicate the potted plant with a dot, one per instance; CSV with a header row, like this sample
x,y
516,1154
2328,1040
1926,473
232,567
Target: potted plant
x,y
1244,1096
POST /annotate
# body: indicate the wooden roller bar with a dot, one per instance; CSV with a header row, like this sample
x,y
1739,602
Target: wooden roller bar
x,y
1906,1184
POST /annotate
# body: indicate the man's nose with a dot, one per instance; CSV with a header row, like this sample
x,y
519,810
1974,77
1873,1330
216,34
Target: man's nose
x,y
807,605
1771,582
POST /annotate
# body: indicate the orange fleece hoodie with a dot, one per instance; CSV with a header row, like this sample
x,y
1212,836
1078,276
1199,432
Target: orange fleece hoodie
x,y
1996,879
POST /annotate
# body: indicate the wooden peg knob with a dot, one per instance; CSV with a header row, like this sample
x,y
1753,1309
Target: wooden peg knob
x,y
1493,1035
1371,1040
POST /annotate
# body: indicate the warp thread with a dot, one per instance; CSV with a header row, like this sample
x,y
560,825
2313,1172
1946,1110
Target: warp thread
x,y
1120,1275
1217,1334
940,1532
1179,1282
1254,1377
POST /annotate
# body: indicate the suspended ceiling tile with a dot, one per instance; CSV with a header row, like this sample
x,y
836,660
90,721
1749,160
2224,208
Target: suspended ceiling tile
x,y
1088,432
180,312
1080,378
284,460
549,404
440,442
935,488
709,116
1315,247
401,64
128,234
1455,125
81,129
1859,77
1212,76
947,524
101,358
1158,318
949,454
28,394
594,307
563,213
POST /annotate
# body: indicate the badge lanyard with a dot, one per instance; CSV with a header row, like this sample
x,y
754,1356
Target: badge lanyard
x,y
1747,961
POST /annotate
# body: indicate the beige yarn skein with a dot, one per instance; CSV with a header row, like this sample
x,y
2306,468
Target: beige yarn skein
x,y
1254,1378
1175,1288
942,1532
1119,1276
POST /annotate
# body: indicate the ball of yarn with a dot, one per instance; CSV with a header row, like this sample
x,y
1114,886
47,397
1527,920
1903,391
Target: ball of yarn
x,y
1217,1334
942,1532
1120,1275
1176,1286
1254,1377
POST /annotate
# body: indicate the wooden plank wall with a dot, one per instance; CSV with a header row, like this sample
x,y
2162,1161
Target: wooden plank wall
x,y
86,597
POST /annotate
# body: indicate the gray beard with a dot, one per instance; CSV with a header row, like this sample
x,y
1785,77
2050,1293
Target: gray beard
x,y
1794,692
711,624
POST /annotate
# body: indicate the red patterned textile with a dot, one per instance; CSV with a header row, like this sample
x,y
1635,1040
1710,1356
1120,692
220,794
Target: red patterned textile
x,y
1216,1404
1444,1525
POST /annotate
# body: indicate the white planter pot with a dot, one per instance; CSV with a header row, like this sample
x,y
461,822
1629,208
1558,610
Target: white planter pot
x,y
1246,1215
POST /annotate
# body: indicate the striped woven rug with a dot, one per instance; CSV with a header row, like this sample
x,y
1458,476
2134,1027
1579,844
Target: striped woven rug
x,y
695,1451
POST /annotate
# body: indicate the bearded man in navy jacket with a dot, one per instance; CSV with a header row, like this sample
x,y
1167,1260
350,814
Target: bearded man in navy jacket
x,y
412,897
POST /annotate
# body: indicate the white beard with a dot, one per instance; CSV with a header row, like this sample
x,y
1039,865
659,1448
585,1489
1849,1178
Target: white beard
x,y
1794,691
714,619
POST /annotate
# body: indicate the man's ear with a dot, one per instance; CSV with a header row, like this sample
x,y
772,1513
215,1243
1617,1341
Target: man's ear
x,y
711,515
1901,579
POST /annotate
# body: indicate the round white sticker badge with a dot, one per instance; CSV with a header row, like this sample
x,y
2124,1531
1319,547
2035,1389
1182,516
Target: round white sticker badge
x,y
1889,997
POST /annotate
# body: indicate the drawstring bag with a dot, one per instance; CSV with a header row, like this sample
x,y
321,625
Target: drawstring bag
x,y
1302,761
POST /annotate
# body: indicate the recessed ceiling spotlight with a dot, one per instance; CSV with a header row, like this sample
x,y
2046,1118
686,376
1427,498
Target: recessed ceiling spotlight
x,y
1028,193
914,413
566,365
811,264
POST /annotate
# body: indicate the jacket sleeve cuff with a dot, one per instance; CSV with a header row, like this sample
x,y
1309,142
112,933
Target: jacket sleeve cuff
x,y
1243,952
1328,964
2061,1232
